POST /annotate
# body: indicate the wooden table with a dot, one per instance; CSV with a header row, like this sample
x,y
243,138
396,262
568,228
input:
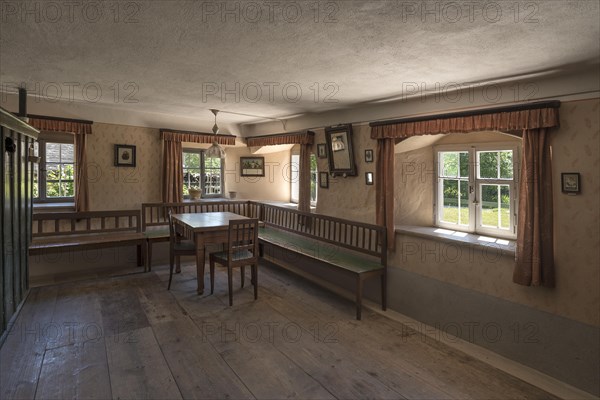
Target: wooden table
x,y
203,229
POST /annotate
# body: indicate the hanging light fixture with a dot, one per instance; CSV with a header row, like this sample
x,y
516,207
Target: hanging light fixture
x,y
215,151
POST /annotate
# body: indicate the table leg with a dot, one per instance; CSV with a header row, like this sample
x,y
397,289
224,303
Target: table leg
x,y
200,262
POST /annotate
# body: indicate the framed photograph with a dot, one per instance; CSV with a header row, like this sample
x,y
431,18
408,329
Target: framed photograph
x,y
339,150
124,155
369,178
321,150
252,166
369,155
570,182
324,180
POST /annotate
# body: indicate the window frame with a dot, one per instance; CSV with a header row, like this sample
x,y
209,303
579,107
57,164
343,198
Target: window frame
x,y
475,184
42,181
202,153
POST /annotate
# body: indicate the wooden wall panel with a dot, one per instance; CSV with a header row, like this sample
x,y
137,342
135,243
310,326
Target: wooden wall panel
x,y
15,215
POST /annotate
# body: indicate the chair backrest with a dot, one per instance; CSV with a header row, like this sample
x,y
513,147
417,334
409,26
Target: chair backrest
x,y
243,235
172,238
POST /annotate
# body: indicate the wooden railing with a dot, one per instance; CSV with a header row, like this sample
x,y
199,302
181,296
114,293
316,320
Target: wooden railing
x,y
157,214
86,222
366,238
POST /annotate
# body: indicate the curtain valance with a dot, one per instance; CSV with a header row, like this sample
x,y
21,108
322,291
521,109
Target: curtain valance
x,y
307,137
504,119
196,137
60,124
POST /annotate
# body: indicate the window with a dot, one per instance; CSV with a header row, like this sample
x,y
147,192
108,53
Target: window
x,y
476,189
295,179
202,172
54,176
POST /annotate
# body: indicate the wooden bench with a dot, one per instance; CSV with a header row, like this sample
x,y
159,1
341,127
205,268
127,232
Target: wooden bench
x,y
353,248
60,231
155,216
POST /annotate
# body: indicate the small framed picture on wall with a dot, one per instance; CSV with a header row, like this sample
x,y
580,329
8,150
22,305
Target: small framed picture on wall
x,y
252,166
323,180
369,156
570,182
124,155
321,150
368,178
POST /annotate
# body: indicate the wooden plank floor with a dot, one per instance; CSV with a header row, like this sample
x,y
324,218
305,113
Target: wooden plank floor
x,y
128,337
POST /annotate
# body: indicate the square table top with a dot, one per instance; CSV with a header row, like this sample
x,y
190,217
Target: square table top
x,y
207,221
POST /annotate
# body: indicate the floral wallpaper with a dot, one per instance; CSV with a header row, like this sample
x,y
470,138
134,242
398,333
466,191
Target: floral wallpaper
x,y
123,188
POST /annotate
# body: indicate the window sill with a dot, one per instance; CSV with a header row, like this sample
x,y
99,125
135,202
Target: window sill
x,y
506,246
42,207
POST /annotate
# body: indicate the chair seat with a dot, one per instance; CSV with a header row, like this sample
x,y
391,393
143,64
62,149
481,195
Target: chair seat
x,y
184,245
237,256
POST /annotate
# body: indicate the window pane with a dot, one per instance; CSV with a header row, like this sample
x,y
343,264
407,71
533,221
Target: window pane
x,y
191,160
450,211
212,184
464,164
53,189
212,162
506,164
36,181
67,153
67,172
463,207
53,172
53,152
505,206
449,164
456,202
488,164
495,206
67,189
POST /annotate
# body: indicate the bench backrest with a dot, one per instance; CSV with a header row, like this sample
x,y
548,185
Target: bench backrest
x,y
157,214
85,222
365,238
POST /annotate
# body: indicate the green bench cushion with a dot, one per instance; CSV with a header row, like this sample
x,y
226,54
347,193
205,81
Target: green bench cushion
x,y
160,233
329,253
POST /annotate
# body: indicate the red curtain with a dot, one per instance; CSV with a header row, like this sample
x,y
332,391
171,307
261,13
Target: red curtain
x,y
172,172
82,197
535,247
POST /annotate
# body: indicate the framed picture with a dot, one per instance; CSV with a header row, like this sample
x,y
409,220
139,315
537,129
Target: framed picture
x,y
570,182
369,155
339,150
124,155
252,166
321,150
369,178
324,180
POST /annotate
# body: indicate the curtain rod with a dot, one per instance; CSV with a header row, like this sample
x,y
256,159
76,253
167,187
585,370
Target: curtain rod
x,y
192,132
80,121
469,113
309,132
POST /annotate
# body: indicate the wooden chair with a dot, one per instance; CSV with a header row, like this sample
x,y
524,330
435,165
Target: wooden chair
x,y
242,250
177,248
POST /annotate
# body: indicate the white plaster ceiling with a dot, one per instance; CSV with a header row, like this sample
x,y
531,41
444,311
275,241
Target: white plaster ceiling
x,y
357,52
